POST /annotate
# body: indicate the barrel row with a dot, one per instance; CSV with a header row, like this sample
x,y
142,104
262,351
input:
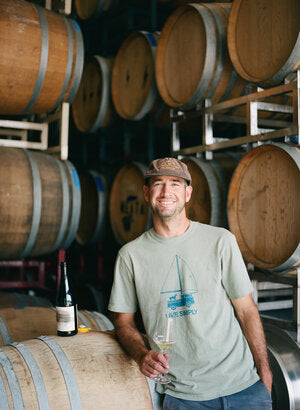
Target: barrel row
x,y
17,324
43,58
256,195
191,59
45,204
205,50
253,52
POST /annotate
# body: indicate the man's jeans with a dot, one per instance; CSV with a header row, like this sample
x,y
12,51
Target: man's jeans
x,y
255,397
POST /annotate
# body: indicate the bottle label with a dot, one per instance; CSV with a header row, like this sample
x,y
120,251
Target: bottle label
x,y
65,318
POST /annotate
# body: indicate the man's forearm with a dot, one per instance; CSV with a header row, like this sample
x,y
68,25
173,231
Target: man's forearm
x,y
252,328
254,333
150,362
132,340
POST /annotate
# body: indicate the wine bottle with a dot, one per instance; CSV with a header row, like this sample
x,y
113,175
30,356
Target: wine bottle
x,y
66,309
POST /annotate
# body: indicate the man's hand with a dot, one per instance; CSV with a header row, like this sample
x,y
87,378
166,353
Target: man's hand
x,y
150,362
266,377
154,363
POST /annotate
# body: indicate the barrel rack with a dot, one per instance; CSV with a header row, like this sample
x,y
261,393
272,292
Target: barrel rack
x,y
16,132
259,131
21,281
61,6
289,277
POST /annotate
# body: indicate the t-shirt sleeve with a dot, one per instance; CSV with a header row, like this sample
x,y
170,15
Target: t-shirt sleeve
x,y
235,276
123,295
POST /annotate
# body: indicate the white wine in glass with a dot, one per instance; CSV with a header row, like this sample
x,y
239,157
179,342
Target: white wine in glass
x,y
164,338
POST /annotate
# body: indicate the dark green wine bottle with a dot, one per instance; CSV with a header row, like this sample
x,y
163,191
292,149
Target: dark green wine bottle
x,y
66,309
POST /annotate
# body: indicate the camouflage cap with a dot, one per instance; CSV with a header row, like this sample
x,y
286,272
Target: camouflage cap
x,y
168,166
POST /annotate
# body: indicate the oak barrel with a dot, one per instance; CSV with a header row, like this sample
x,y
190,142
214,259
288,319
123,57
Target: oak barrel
x,y
128,211
86,371
177,3
284,358
19,300
18,324
133,85
93,8
39,203
210,181
42,58
264,39
93,207
92,107
263,206
192,61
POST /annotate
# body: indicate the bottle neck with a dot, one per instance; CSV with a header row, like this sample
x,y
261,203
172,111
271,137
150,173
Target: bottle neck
x,y
64,296
65,282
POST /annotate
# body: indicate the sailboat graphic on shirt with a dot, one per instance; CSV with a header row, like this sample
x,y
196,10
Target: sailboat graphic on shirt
x,y
181,283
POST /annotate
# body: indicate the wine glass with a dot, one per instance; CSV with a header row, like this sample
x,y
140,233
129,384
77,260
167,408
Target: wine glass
x,y
164,338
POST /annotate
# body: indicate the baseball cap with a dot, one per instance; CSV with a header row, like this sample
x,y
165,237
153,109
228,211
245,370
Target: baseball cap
x,y
168,166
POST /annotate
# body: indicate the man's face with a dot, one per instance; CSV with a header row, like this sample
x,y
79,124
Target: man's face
x,y
167,195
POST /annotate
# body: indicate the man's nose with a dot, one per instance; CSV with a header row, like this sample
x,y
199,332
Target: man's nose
x,y
166,189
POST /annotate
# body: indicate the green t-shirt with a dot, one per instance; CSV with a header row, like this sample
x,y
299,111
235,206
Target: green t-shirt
x,y
197,273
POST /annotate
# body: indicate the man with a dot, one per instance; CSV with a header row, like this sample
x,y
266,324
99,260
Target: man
x,y
199,273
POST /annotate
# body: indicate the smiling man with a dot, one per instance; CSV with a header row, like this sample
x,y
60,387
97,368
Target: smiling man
x,y
196,271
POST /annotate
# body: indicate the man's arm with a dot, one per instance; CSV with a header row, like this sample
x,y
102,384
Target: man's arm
x,y
150,362
249,319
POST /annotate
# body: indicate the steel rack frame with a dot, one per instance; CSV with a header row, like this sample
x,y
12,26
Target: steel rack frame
x,y
259,130
21,282
16,132
62,6
288,277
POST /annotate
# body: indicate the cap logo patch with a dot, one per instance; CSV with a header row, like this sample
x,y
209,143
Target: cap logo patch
x,y
167,163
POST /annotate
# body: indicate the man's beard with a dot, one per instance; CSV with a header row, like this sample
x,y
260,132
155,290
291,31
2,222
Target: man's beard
x,y
167,214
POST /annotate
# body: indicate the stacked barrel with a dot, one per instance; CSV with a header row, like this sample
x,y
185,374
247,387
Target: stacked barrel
x,y
204,51
214,51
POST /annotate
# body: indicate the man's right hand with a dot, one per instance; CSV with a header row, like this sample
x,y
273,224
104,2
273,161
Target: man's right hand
x,y
153,363
150,362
